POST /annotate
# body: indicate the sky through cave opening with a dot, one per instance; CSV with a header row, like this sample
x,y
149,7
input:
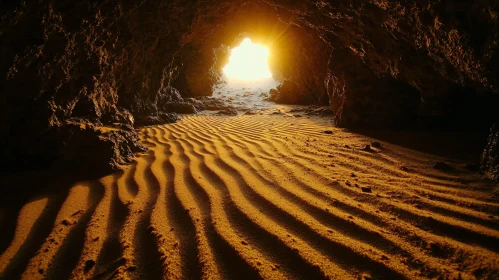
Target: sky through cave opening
x,y
247,77
248,61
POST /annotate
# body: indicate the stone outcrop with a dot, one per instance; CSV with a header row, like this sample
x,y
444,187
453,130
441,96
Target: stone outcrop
x,y
490,156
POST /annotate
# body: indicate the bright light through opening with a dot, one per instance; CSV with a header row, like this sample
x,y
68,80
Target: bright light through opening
x,y
248,62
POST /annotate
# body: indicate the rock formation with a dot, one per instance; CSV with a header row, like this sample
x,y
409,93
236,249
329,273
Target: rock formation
x,y
490,156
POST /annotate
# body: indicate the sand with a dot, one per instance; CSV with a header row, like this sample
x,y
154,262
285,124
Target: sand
x,y
260,196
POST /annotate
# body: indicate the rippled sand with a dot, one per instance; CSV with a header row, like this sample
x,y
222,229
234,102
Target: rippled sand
x,y
260,197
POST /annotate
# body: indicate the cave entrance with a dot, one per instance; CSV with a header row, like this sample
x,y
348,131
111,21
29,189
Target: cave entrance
x,y
248,61
247,78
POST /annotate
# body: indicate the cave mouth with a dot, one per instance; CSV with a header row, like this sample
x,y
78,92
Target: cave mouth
x,y
248,62
247,78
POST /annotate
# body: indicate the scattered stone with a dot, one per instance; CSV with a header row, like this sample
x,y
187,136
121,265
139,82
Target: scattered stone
x,y
490,155
327,131
198,104
440,165
244,242
376,144
298,116
228,112
367,148
366,189
404,168
88,265
250,113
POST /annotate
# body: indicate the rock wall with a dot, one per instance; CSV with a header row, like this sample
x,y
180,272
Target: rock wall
x,y
437,48
490,156
109,63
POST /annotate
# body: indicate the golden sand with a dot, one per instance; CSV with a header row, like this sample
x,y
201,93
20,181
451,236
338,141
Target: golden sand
x,y
262,197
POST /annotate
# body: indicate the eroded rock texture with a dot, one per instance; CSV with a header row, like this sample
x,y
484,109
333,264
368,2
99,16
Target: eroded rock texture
x,y
490,156
377,62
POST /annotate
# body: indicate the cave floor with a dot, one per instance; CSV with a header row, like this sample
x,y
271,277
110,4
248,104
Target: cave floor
x,y
271,196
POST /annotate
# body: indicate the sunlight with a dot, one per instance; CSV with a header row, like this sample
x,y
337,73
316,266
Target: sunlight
x,y
249,61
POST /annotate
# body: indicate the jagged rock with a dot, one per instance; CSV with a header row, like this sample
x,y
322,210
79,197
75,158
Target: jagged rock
x,y
180,108
95,150
198,104
366,148
169,117
162,118
490,155
228,112
214,104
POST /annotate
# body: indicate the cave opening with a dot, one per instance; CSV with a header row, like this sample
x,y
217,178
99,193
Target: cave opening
x,y
248,61
247,77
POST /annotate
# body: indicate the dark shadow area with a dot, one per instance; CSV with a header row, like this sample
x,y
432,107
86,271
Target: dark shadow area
x,y
459,145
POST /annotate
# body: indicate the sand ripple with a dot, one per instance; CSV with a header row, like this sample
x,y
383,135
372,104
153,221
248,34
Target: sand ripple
x,y
259,197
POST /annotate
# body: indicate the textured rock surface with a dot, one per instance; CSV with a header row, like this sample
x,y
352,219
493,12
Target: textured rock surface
x,y
490,156
376,62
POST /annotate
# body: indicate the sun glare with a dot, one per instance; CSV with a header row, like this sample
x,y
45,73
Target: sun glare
x,y
249,61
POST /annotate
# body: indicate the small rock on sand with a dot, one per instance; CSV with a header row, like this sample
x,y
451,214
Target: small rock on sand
x,y
327,131
366,189
228,112
367,148
376,144
88,265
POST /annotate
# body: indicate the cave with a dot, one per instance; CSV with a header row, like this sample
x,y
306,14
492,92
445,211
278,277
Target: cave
x,y
354,139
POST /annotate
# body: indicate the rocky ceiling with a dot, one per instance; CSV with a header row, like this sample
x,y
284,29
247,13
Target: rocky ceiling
x,y
71,66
